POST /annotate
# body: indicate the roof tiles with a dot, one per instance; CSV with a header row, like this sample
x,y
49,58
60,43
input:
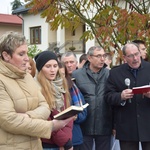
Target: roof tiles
x,y
10,19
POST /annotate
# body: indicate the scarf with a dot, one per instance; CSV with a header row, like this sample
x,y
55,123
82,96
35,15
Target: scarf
x,y
75,95
59,94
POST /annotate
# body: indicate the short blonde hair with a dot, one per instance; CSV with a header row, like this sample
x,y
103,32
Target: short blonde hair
x,y
10,41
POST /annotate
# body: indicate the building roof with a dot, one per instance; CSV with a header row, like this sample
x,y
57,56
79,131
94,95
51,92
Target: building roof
x,y
10,19
21,10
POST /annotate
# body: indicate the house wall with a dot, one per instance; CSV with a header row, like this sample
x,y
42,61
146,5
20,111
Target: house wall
x,y
9,27
52,36
74,40
47,35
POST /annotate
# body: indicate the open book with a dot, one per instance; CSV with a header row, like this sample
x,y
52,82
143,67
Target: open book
x,y
70,111
141,89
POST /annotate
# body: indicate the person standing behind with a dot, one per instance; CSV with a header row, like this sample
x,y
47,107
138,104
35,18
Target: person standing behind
x,y
108,60
142,48
114,142
132,111
55,90
31,68
70,61
82,60
77,99
91,81
23,109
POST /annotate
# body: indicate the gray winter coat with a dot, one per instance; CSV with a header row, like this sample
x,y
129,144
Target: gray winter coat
x,y
98,120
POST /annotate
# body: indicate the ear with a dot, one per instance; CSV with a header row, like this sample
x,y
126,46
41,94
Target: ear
x,y
124,59
6,56
89,58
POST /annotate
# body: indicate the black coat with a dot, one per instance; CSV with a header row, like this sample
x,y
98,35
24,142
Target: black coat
x,y
133,119
98,120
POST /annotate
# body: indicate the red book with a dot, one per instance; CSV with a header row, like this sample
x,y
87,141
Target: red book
x,y
141,89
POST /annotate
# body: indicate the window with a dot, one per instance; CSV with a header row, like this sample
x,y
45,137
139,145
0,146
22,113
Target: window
x,y
35,35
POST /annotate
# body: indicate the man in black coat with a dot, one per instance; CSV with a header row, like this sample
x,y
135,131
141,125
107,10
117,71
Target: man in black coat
x,y
132,111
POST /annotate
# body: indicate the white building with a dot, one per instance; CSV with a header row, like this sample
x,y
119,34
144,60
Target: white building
x,y
38,32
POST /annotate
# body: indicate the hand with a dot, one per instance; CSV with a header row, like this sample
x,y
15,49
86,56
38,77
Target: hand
x,y
147,94
114,132
58,124
126,94
75,117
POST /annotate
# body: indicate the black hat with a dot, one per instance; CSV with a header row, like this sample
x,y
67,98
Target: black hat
x,y
42,58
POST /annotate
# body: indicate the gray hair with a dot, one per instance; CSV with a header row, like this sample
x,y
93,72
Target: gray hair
x,y
126,46
10,41
67,54
91,49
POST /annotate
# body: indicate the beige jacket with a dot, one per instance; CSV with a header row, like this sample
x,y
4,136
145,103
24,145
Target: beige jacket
x,y
20,94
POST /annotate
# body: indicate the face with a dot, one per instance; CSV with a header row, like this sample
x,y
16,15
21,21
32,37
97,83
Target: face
x,y
62,70
108,61
70,63
81,64
133,56
143,51
19,57
29,68
50,69
97,60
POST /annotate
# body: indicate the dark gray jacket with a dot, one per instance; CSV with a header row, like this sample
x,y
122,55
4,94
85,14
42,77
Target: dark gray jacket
x,y
98,120
133,119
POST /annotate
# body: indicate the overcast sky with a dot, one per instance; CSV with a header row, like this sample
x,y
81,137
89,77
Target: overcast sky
x,y
5,6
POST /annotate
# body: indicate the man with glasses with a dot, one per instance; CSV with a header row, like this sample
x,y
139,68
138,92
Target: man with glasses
x,y
132,111
91,80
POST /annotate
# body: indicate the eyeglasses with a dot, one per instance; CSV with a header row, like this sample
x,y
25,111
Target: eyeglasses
x,y
133,55
99,56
